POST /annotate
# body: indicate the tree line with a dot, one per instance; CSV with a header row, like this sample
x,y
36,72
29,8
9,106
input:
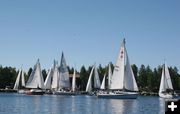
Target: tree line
x,y
148,79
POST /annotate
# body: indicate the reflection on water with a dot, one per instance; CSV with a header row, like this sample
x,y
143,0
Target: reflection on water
x,y
52,104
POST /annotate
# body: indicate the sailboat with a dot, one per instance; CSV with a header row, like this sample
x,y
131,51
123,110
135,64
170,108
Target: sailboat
x,y
166,88
96,84
20,82
36,82
63,83
123,84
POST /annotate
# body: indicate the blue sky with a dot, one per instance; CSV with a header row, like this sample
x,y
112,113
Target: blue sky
x,y
89,31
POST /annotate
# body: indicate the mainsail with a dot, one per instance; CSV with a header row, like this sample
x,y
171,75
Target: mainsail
x,y
64,74
89,84
109,76
20,76
74,81
165,80
55,79
48,81
123,77
36,79
96,78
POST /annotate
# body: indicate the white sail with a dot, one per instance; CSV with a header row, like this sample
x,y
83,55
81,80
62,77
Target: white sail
x,y
96,78
36,79
49,78
165,80
89,84
118,73
47,82
169,82
103,82
64,74
22,79
55,79
123,77
74,81
162,83
16,85
109,76
129,79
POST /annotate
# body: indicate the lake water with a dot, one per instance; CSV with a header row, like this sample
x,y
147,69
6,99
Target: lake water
x,y
11,103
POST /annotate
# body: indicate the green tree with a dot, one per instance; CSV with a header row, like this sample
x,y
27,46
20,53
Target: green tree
x,y
83,77
142,79
150,79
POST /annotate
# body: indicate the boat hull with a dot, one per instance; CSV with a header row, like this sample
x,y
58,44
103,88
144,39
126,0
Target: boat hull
x,y
35,92
64,93
21,91
118,95
165,95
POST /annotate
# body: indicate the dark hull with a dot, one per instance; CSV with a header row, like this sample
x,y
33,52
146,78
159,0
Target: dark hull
x,y
35,93
64,93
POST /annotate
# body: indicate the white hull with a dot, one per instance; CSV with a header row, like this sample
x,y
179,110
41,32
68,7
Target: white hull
x,y
165,95
122,95
21,91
